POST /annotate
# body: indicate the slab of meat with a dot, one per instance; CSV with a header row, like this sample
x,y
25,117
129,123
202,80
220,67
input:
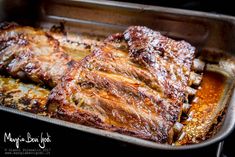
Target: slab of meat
x,y
29,53
133,84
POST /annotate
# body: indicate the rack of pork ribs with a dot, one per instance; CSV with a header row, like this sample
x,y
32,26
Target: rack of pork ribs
x,y
137,83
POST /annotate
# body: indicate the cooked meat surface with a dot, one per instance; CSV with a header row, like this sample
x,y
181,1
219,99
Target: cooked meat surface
x,y
168,60
29,53
134,84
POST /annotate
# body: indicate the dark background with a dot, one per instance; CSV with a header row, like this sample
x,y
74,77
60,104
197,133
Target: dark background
x,y
213,6
68,142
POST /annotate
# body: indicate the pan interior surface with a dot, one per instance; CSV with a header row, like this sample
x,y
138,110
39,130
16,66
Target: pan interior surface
x,y
201,34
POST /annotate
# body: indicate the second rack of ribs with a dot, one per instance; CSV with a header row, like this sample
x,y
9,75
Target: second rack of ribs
x,y
29,53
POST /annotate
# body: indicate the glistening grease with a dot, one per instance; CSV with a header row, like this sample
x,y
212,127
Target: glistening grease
x,y
202,113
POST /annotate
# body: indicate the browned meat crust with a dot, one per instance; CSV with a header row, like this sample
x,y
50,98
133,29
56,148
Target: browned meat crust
x,y
170,61
138,91
33,54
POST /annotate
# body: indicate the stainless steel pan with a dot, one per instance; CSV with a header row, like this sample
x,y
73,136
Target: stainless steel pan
x,y
206,31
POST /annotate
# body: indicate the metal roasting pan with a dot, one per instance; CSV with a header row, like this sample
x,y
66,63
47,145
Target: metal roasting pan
x,y
206,31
